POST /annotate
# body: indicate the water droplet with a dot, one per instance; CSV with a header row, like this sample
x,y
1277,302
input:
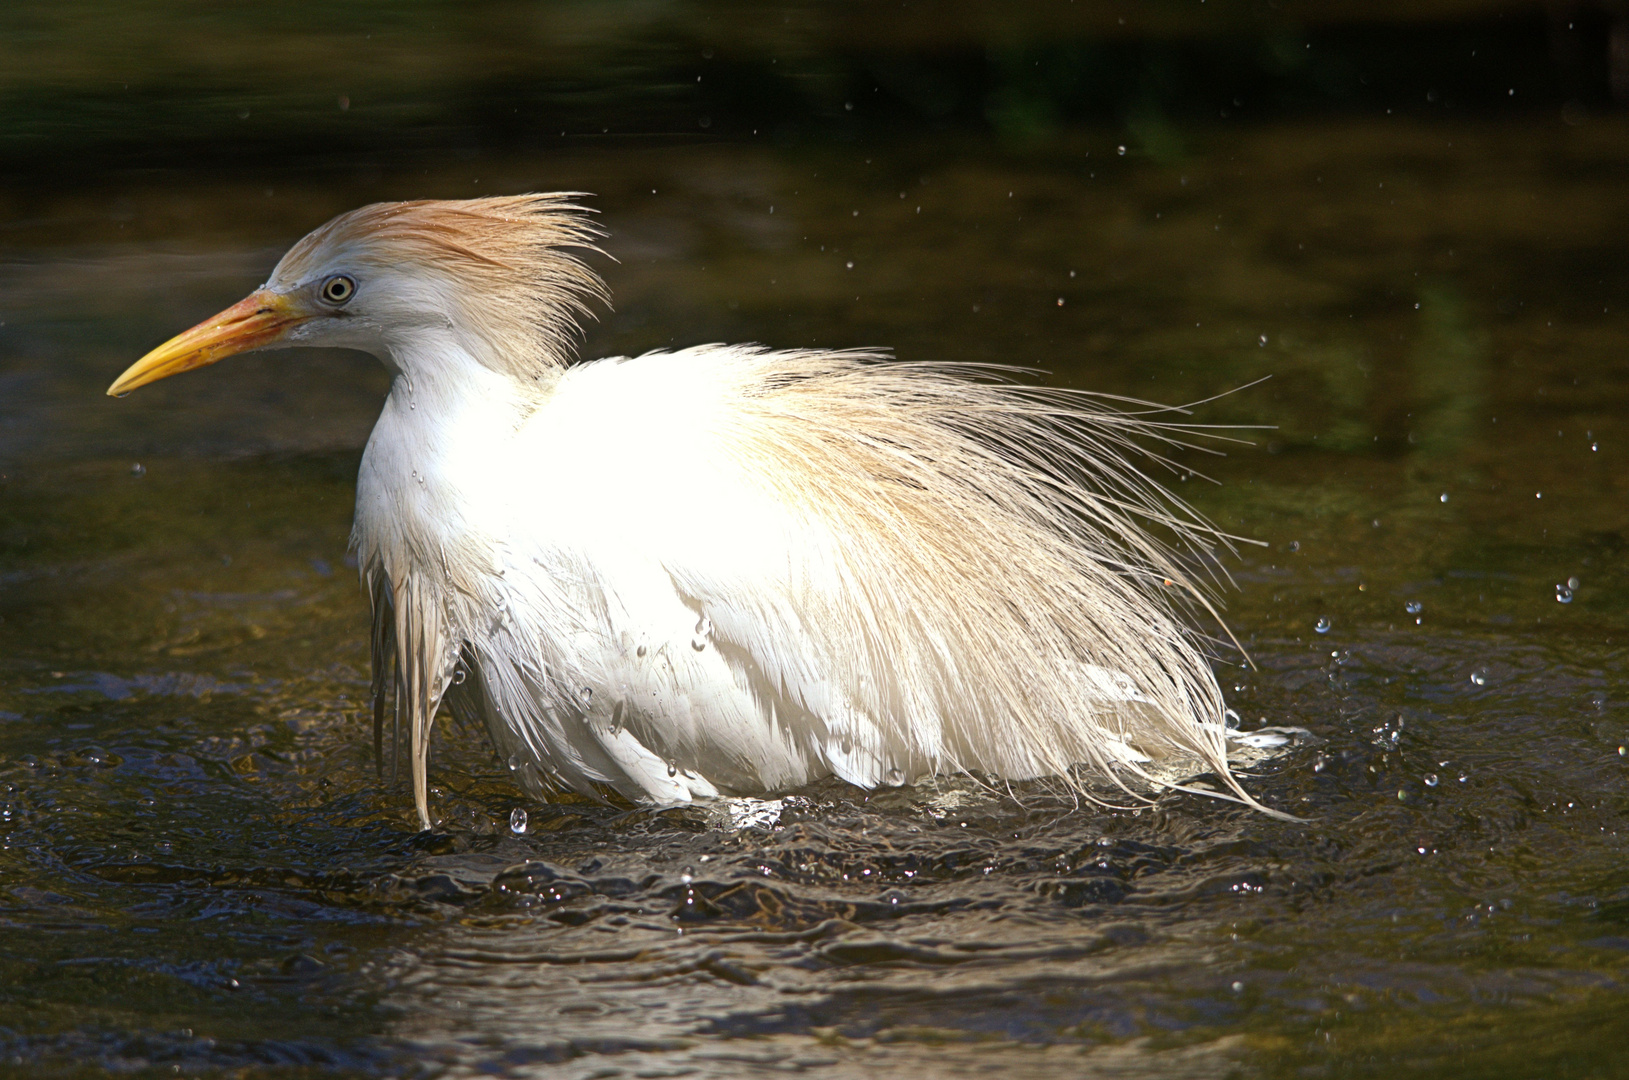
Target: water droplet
x,y
688,874
851,264
1478,678
1594,446
1295,545
1263,340
1623,751
138,469
641,651
698,643
587,693
1414,607
1238,988
514,762
672,768
896,776
1323,625
1431,779
1443,497
459,675
517,821
704,626
1122,150
1572,583
1563,595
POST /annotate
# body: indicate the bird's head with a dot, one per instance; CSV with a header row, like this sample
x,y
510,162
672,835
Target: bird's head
x,y
498,272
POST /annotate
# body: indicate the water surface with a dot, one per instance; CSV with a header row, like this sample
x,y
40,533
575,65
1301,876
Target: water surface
x,y
201,871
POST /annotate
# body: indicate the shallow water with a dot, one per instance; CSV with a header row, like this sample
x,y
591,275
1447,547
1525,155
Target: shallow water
x,y
200,870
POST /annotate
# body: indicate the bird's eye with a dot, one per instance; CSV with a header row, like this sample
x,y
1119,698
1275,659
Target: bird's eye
x,y
338,289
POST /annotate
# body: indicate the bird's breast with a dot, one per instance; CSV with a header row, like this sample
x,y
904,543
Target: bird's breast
x,y
436,485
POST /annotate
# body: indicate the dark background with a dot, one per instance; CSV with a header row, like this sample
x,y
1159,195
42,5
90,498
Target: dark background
x,y
89,87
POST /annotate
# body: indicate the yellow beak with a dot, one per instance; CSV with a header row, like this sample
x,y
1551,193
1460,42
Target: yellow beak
x,y
258,320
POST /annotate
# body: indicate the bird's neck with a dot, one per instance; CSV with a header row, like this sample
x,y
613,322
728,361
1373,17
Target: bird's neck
x,y
442,375
430,473
447,358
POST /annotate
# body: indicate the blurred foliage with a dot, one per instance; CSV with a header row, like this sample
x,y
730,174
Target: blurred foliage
x,y
241,83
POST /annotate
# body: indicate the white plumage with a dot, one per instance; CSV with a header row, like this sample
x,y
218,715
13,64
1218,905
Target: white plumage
x,y
729,570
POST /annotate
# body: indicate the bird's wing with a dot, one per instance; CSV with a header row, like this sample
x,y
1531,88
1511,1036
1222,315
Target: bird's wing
x,y
836,576
672,591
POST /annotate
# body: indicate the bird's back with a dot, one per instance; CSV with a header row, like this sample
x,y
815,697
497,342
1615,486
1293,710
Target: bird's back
x,y
735,570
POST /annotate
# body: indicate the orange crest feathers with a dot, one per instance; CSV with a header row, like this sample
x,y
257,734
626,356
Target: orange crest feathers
x,y
520,284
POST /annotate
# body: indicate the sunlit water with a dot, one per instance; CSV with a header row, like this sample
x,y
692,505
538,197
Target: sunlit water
x,y
201,870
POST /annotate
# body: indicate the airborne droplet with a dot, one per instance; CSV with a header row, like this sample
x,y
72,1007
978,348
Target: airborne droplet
x,y
517,821
1323,625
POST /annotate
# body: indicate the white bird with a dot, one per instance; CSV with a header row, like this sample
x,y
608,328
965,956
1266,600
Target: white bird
x,y
729,570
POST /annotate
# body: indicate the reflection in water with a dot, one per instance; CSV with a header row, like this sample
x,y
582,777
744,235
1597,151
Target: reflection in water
x,y
199,867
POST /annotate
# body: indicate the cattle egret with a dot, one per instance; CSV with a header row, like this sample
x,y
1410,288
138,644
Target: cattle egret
x,y
731,570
